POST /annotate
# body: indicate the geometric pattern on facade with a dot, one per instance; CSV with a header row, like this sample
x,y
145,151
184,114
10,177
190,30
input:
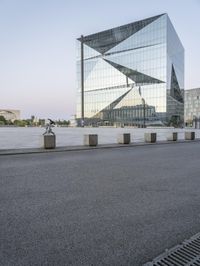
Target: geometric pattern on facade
x,y
104,80
135,96
175,91
116,102
89,67
132,68
175,76
104,41
137,77
112,105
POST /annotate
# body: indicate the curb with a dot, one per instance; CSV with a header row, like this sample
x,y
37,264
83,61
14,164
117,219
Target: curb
x,y
85,148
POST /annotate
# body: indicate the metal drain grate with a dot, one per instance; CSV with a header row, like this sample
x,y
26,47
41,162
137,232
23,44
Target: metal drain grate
x,y
186,254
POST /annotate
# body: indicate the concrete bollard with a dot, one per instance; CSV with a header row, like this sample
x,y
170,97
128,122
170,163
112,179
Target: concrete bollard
x,y
124,138
172,136
150,137
91,140
49,141
189,135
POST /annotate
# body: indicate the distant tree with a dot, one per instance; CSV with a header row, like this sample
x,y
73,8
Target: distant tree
x,y
3,120
175,121
20,123
9,122
63,122
28,122
41,122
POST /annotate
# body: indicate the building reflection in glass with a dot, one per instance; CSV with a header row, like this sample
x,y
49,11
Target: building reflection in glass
x,y
133,75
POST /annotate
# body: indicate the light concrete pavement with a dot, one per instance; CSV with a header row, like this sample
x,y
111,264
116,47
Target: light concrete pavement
x,y
120,206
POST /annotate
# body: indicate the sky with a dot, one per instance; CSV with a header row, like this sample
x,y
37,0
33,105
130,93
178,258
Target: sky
x,y
38,46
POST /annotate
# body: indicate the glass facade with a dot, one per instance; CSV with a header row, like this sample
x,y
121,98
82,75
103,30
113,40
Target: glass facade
x,y
133,75
192,105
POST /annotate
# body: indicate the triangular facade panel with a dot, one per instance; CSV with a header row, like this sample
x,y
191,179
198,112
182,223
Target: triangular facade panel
x,y
113,95
88,67
175,91
132,99
132,60
137,77
105,40
116,101
89,52
110,77
174,44
137,40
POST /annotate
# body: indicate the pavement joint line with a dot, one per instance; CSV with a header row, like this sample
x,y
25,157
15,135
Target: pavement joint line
x,y
22,151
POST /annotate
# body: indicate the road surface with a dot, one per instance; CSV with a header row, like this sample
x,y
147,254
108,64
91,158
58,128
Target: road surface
x,y
120,206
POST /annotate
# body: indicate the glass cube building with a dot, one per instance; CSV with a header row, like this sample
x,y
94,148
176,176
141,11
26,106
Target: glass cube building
x,y
133,75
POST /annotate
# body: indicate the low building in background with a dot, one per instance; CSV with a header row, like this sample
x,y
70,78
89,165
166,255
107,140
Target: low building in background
x,y
10,114
73,121
133,75
192,107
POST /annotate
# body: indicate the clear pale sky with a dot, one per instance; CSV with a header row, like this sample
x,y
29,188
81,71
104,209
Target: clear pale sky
x,y
37,46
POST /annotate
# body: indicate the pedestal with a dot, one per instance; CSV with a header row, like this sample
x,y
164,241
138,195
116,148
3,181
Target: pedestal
x,y
189,135
91,140
150,137
124,138
172,136
49,141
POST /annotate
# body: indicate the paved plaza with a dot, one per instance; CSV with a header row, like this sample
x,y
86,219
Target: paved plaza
x,y
121,206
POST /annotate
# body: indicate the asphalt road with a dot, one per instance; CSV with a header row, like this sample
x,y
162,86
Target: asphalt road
x,y
98,207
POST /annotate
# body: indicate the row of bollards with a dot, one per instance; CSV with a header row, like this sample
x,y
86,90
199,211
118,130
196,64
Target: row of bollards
x,y
125,138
